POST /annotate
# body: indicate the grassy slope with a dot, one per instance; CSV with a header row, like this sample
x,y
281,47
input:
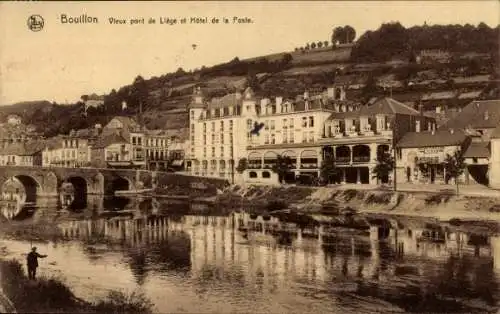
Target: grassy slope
x,y
49,295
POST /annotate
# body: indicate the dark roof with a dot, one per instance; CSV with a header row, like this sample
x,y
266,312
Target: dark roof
x,y
388,105
432,139
478,149
226,101
107,140
384,105
477,115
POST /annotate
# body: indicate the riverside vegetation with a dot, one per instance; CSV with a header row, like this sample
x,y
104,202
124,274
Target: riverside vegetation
x,y
50,295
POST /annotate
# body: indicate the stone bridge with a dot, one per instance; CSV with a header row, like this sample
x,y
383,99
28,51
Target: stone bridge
x,y
47,181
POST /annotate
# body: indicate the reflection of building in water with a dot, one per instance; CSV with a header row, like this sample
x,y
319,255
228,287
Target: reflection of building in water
x,y
13,190
436,242
495,249
10,208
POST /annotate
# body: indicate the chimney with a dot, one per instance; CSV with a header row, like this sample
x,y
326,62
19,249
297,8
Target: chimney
x,y
279,101
486,115
452,131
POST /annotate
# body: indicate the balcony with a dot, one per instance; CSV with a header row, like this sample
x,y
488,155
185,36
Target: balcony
x,y
309,166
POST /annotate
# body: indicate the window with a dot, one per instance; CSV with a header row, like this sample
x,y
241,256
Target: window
x,y
266,139
213,138
311,122
304,122
266,174
192,114
291,123
213,126
249,124
192,139
266,127
222,138
204,152
252,174
204,139
272,124
285,124
304,137
213,151
222,126
291,136
222,151
133,140
311,136
230,138
204,127
230,125
273,139
139,141
285,137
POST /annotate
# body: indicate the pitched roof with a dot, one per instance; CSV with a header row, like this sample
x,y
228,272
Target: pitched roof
x,y
477,115
107,140
387,105
225,101
478,149
432,139
128,122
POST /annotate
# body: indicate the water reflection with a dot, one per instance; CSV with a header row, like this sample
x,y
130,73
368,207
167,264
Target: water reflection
x,y
239,263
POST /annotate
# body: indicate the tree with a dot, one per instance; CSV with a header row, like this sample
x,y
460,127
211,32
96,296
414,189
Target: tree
x,y
313,45
307,47
328,169
349,34
454,165
242,165
282,166
385,164
84,98
326,43
320,44
343,35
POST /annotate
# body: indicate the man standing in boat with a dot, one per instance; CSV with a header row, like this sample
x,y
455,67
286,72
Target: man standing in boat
x,y
32,262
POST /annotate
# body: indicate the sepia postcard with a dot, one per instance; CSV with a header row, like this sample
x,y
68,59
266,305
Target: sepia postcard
x,y
250,157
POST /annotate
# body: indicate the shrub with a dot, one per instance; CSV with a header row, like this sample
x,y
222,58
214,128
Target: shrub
x,y
119,302
384,198
351,193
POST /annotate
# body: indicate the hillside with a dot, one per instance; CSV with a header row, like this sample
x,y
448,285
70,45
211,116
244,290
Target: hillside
x,y
472,68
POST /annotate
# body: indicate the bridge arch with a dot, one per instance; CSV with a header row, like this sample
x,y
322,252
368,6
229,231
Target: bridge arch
x,y
79,193
118,183
21,187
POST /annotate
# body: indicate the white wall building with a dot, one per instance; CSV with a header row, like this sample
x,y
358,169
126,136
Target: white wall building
x,y
494,171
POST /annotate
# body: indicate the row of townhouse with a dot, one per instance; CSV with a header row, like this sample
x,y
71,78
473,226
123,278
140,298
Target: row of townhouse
x,y
122,143
225,130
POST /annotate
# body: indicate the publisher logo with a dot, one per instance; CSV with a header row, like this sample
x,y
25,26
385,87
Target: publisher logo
x,y
35,23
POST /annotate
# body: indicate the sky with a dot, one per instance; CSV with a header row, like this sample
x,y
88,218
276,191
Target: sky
x,y
64,61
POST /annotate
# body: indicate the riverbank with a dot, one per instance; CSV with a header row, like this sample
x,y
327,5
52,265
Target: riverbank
x,y
442,205
49,295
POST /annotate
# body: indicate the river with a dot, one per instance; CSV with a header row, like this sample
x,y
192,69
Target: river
x,y
196,263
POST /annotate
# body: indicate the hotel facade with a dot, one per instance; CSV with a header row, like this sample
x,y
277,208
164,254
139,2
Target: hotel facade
x,y
305,129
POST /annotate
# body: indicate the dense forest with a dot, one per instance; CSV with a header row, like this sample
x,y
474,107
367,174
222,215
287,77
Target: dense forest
x,y
394,40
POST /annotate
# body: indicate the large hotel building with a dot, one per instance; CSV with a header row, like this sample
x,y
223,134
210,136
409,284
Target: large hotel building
x,y
304,129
